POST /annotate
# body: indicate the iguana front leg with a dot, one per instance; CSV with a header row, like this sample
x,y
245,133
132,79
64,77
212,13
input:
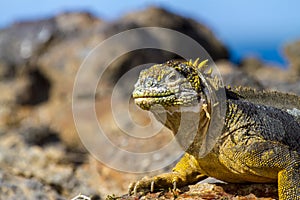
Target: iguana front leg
x,y
184,173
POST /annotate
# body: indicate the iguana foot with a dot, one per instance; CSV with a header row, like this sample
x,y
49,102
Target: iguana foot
x,y
162,181
184,173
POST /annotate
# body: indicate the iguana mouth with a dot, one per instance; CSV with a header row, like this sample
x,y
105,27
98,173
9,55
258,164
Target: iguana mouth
x,y
146,101
136,96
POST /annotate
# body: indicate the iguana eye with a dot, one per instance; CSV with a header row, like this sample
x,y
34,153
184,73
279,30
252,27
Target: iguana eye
x,y
172,77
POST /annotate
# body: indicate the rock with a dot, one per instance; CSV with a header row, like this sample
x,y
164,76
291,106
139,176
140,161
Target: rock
x,y
7,70
234,76
43,164
45,79
35,90
41,135
17,187
74,23
268,75
213,191
158,17
253,73
23,41
292,52
288,87
250,65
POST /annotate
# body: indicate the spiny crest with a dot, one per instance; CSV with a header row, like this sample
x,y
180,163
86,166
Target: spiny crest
x,y
207,72
202,66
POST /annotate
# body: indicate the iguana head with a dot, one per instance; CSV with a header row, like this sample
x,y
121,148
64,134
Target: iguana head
x,y
171,84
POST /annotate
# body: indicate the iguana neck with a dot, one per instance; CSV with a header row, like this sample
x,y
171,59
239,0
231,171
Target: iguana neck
x,y
188,125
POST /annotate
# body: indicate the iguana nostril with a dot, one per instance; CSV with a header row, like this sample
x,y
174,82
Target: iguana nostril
x,y
150,82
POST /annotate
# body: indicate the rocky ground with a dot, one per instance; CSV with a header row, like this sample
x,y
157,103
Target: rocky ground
x,y
41,156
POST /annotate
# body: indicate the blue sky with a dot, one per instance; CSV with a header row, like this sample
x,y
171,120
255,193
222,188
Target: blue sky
x,y
259,28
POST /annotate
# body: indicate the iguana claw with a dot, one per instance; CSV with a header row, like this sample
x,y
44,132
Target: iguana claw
x,y
152,186
146,184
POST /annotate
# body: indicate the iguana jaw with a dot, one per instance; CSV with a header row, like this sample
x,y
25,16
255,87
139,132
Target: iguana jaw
x,y
147,102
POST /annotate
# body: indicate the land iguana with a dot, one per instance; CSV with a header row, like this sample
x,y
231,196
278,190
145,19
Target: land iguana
x,y
259,141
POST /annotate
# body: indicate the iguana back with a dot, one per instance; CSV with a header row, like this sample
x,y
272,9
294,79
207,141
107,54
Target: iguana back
x,y
285,101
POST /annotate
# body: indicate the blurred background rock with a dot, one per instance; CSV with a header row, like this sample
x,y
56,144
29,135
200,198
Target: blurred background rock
x,y
41,50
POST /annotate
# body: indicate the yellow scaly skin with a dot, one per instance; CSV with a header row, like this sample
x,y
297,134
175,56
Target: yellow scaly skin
x,y
260,141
